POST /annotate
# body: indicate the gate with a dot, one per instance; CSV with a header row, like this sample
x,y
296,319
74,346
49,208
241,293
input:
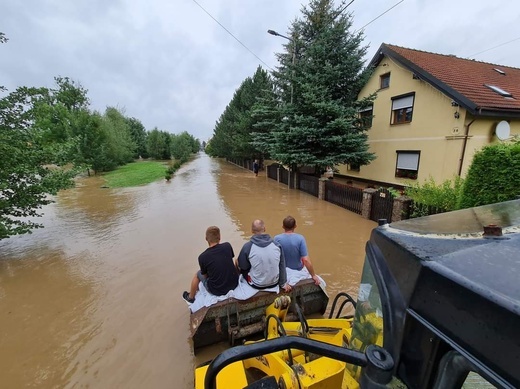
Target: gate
x,y
382,205
343,195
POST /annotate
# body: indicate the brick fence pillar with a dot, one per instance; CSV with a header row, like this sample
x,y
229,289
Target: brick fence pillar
x,y
321,188
366,205
401,208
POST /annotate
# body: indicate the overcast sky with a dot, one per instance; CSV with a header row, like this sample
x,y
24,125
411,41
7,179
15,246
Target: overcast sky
x,y
170,65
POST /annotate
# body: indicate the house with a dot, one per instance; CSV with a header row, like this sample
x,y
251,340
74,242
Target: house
x,y
432,113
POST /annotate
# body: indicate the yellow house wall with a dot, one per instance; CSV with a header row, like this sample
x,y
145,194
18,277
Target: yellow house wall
x,y
434,130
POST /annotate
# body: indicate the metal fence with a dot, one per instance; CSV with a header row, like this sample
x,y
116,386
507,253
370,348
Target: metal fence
x,y
272,171
309,184
284,175
344,195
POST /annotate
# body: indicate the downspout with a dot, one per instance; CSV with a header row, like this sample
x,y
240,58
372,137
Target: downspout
x,y
466,134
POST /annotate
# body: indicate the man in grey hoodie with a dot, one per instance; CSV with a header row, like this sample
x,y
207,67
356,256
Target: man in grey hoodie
x,y
261,260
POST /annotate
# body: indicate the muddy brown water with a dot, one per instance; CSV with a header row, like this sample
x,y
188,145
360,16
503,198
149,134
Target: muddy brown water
x,y
93,299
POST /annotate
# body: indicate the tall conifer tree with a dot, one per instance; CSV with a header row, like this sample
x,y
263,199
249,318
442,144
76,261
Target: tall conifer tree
x,y
318,81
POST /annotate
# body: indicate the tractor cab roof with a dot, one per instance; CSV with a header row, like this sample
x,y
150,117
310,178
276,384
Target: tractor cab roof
x,y
459,282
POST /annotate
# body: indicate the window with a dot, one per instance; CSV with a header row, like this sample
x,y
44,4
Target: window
x,y
366,115
353,167
402,108
384,81
407,164
368,324
498,90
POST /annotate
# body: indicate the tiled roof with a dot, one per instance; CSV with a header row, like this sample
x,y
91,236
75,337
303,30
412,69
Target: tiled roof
x,y
462,79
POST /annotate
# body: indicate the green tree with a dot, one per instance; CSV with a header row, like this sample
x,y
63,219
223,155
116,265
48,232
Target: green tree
x,y
183,145
118,142
493,176
138,134
318,122
232,136
156,144
26,178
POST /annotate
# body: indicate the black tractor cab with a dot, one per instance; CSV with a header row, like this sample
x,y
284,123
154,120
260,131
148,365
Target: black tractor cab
x,y
449,292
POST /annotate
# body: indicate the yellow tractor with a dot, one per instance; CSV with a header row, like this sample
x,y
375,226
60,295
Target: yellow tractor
x,y
438,307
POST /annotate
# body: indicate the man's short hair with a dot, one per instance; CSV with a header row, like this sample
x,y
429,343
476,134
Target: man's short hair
x,y
213,234
258,226
289,223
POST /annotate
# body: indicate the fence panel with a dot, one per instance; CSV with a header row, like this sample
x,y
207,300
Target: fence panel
x,y
272,171
344,195
382,205
309,184
284,175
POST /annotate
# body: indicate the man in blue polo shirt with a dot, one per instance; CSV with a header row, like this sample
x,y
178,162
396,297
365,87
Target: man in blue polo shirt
x,y
295,248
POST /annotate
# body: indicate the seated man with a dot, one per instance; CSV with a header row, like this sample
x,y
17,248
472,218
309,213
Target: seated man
x,y
295,248
217,270
261,261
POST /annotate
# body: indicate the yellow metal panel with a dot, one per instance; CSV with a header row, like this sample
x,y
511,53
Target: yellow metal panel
x,y
232,376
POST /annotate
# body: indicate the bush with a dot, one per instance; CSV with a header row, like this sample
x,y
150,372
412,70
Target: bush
x,y
430,198
494,176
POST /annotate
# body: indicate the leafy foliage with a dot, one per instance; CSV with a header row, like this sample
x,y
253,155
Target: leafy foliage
x,y
494,176
183,145
26,176
430,197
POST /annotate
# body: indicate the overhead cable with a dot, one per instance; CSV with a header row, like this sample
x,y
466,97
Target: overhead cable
x,y
229,32
392,7
494,47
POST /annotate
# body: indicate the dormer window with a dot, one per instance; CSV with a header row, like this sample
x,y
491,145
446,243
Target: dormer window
x,y
498,90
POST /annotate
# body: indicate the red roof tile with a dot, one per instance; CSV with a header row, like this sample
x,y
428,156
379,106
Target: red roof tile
x,y
467,77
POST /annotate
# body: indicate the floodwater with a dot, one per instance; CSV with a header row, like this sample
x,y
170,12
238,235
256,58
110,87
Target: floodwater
x,y
93,300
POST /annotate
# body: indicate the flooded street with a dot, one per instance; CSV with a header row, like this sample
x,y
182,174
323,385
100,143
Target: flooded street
x,y
94,298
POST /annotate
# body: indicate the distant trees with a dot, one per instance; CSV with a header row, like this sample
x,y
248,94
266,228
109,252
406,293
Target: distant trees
x,y
183,145
47,135
234,130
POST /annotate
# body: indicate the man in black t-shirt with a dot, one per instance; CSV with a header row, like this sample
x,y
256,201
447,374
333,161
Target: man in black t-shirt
x,y
217,269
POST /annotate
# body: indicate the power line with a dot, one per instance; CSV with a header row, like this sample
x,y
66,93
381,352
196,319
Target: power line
x,y
229,32
494,47
344,8
392,7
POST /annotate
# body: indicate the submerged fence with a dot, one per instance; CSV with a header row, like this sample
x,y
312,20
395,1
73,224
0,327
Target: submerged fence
x,y
345,196
310,184
370,203
284,175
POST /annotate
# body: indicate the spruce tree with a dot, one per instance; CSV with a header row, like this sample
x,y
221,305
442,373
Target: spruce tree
x,y
320,75
232,136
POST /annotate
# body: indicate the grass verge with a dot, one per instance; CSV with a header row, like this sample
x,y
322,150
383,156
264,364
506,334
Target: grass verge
x,y
135,174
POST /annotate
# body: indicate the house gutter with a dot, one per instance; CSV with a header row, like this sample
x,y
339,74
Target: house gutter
x,y
466,134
